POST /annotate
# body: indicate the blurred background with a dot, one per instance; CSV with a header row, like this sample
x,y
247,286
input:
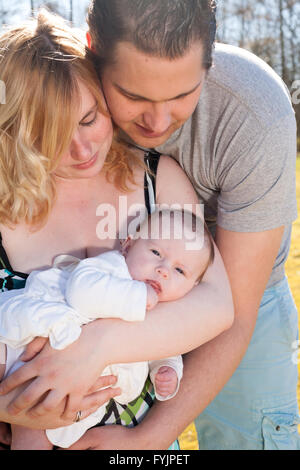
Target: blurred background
x,y
269,29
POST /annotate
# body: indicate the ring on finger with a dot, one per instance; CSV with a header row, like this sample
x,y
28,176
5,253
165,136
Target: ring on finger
x,y
77,417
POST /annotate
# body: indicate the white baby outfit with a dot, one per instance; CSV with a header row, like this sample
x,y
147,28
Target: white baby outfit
x,y
56,302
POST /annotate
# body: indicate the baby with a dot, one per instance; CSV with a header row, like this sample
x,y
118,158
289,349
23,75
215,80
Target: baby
x,y
152,268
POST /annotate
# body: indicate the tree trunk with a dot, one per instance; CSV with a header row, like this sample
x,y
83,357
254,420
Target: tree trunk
x,y
71,11
284,74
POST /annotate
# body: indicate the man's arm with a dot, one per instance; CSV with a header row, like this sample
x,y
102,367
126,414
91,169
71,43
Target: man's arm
x,y
248,258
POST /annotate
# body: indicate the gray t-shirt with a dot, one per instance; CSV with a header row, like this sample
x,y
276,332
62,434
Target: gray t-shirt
x,y
239,148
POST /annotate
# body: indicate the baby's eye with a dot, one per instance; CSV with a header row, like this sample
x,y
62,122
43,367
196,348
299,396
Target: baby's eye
x,y
155,252
180,271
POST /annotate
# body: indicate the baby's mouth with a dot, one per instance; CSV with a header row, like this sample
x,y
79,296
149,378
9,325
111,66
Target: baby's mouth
x,y
155,285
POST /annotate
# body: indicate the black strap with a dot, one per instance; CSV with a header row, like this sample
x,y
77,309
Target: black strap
x,y
151,159
3,257
6,264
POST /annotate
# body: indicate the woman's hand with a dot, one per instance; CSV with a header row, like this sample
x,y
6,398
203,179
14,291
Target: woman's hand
x,y
53,419
72,373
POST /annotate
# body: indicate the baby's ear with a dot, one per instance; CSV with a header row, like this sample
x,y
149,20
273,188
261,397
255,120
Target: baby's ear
x,y
125,245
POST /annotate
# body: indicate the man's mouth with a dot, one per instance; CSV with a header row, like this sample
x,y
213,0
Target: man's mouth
x,y
149,132
155,285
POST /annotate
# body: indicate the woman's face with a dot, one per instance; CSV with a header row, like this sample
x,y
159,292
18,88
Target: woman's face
x,y
91,140
150,97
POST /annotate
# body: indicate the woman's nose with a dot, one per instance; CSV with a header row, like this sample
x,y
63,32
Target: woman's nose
x,y
80,149
163,272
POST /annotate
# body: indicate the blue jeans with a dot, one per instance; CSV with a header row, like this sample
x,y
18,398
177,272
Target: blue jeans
x,y
257,408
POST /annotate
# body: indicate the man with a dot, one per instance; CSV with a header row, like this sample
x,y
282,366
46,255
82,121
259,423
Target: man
x,y
227,119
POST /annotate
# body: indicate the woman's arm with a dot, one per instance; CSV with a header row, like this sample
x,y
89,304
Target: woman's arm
x,y
187,323
54,418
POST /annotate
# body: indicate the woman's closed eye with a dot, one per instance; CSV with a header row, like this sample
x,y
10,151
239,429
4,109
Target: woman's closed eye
x,y
90,122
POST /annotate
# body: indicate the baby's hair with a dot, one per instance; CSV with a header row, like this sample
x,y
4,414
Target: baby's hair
x,y
194,222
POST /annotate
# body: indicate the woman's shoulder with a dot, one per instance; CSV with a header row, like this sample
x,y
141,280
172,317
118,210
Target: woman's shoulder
x,y
172,183
167,163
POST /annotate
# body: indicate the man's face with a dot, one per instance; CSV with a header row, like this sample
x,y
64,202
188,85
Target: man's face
x,y
150,97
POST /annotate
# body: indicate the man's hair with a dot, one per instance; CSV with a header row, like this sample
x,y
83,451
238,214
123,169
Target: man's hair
x,y
161,28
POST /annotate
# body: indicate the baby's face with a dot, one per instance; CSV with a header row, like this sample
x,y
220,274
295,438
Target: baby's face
x,y
166,265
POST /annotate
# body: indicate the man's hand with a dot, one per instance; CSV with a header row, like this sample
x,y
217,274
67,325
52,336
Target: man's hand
x,y
114,437
33,348
5,436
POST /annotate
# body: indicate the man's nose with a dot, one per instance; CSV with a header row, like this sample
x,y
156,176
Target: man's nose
x,y
157,117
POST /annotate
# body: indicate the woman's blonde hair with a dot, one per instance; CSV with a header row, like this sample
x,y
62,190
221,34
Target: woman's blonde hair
x,y
40,64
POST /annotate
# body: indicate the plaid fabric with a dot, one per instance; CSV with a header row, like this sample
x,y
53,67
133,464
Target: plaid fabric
x,y
131,414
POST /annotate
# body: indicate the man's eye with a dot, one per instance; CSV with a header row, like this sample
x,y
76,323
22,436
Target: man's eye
x,y
179,270
155,252
134,98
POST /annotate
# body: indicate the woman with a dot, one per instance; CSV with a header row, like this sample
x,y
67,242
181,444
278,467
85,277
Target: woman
x,y
56,171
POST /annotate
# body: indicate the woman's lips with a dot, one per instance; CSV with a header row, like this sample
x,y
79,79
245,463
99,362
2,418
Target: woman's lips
x,y
88,164
155,285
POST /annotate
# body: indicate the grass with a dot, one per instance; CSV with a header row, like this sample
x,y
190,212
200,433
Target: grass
x,y
188,439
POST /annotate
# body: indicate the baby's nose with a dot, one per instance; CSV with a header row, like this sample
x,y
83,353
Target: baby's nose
x,y
163,272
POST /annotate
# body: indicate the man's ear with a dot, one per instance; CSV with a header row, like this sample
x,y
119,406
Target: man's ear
x,y
89,41
125,245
